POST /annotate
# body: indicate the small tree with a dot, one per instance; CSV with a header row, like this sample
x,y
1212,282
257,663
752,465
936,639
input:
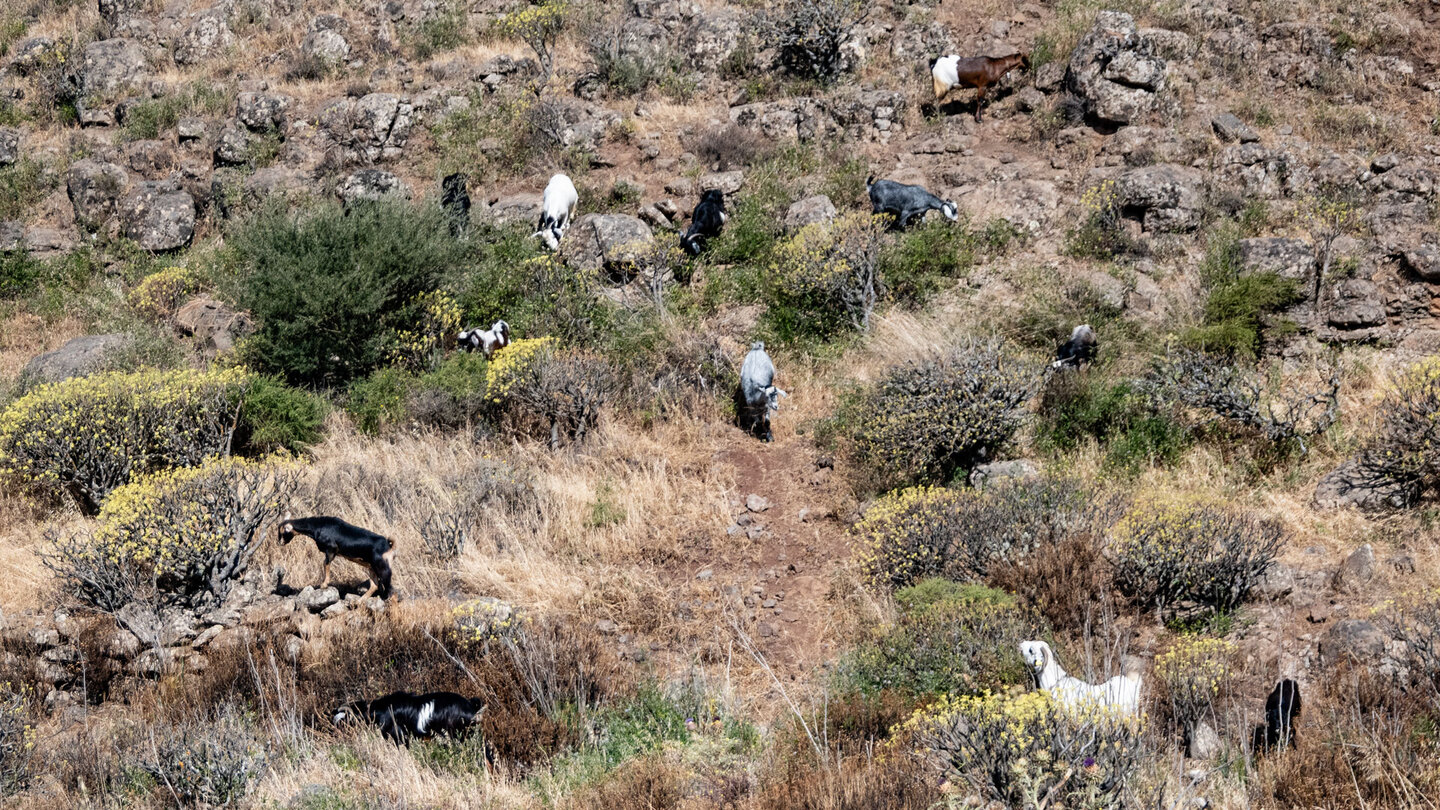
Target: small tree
x,y
810,36
1327,219
539,27
930,418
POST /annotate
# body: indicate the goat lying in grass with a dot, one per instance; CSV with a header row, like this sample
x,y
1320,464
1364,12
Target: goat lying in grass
x,y
1121,692
979,72
1078,350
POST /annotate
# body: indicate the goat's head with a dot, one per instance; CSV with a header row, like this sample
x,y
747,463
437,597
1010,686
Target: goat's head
x,y
950,211
1036,655
1025,60
550,236
1083,333
772,397
287,531
693,243
502,330
714,195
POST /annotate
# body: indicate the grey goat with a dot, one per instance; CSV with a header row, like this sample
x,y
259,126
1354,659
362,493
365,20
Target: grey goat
x,y
905,202
758,394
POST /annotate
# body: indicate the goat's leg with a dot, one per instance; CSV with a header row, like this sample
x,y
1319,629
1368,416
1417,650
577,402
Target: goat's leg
x,y
373,585
979,101
325,582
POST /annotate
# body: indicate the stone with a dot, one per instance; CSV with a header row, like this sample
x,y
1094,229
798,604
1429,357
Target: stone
x,y
262,112
1424,261
152,663
728,182
335,610
325,42
9,146
606,242
1356,640
713,37
158,216
1015,470
1357,570
190,128
705,575
607,627
1228,127
1355,304
370,184
166,628
204,39
1288,258
1133,70
1349,485
232,148
95,189
29,54
213,324
111,65
12,235
317,599
44,242
1167,196
765,630
809,211
1202,741
77,358
372,128
516,209
755,503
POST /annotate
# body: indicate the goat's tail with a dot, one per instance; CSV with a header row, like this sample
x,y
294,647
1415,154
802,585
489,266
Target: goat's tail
x,y
869,181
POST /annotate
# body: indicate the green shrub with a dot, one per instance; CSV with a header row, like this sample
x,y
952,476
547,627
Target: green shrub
x,y
927,420
952,640
147,118
453,395
329,287
22,185
378,402
86,436
1169,553
442,29
277,417
19,273
826,278
1121,418
1101,233
1023,750
179,537
922,258
535,294
1236,310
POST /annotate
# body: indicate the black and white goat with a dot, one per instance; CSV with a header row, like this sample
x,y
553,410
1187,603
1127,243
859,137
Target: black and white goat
x,y
1281,709
403,716
556,209
758,393
498,337
1078,350
706,222
336,538
905,202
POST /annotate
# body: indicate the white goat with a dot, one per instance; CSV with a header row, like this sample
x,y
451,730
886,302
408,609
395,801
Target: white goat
x,y
1121,692
556,209
488,342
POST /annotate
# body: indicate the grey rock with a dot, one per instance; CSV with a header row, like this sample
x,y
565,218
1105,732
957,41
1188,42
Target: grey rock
x,y
1348,485
756,503
653,217
167,627
159,216
337,609
1355,640
728,182
29,54
370,184
1424,261
713,38
1202,741
1109,75
516,209
213,324
372,128
1357,570
1028,100
765,630
1229,127
1168,197
608,242
206,37
95,190
1355,304
12,235
262,112
1050,77
809,211
95,112
1288,258
232,148
112,65
190,128
706,575
317,599
44,242
1015,470
1385,162
9,146
326,42
77,358
1133,70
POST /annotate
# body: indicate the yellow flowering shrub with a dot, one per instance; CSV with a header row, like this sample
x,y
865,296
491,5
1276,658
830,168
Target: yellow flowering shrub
x,y
1101,232
826,277
1025,750
481,623
159,295
437,319
1192,673
537,26
17,738
189,533
904,536
511,364
1167,553
927,420
88,435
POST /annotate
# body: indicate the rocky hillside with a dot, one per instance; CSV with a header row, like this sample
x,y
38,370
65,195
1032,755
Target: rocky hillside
x,y
237,242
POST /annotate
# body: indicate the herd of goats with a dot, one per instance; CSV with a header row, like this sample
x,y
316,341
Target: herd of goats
x,y
403,716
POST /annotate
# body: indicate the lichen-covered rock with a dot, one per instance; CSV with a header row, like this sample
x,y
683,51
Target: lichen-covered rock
x,y
95,189
232,148
713,39
372,128
326,42
1167,197
1424,261
1355,303
370,184
77,358
9,146
112,65
1228,127
1111,71
809,211
1287,258
158,216
204,39
262,112
607,242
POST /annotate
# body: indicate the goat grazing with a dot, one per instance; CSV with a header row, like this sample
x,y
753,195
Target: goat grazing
x,y
758,394
403,716
979,72
1078,350
334,537
1281,709
556,209
904,202
1121,692
498,337
706,222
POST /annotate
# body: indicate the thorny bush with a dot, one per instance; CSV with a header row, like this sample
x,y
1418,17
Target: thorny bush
x,y
213,762
186,535
810,36
470,495
1166,553
1027,751
17,739
560,395
928,419
86,436
1404,453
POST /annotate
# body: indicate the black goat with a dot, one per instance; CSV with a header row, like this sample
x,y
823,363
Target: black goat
x,y
334,537
706,222
1078,350
1281,709
403,716
905,202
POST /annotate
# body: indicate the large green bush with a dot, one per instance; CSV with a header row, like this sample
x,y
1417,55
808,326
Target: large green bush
x,y
277,417
534,293
1075,407
88,435
331,287
826,278
928,419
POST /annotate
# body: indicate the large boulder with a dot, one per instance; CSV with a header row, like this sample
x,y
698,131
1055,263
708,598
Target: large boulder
x,y
1350,485
713,38
374,127
1353,641
370,184
214,325
1287,258
326,43
9,146
1165,197
1356,303
206,37
232,148
95,189
112,65
517,209
1112,71
606,242
809,211
77,358
262,112
159,216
